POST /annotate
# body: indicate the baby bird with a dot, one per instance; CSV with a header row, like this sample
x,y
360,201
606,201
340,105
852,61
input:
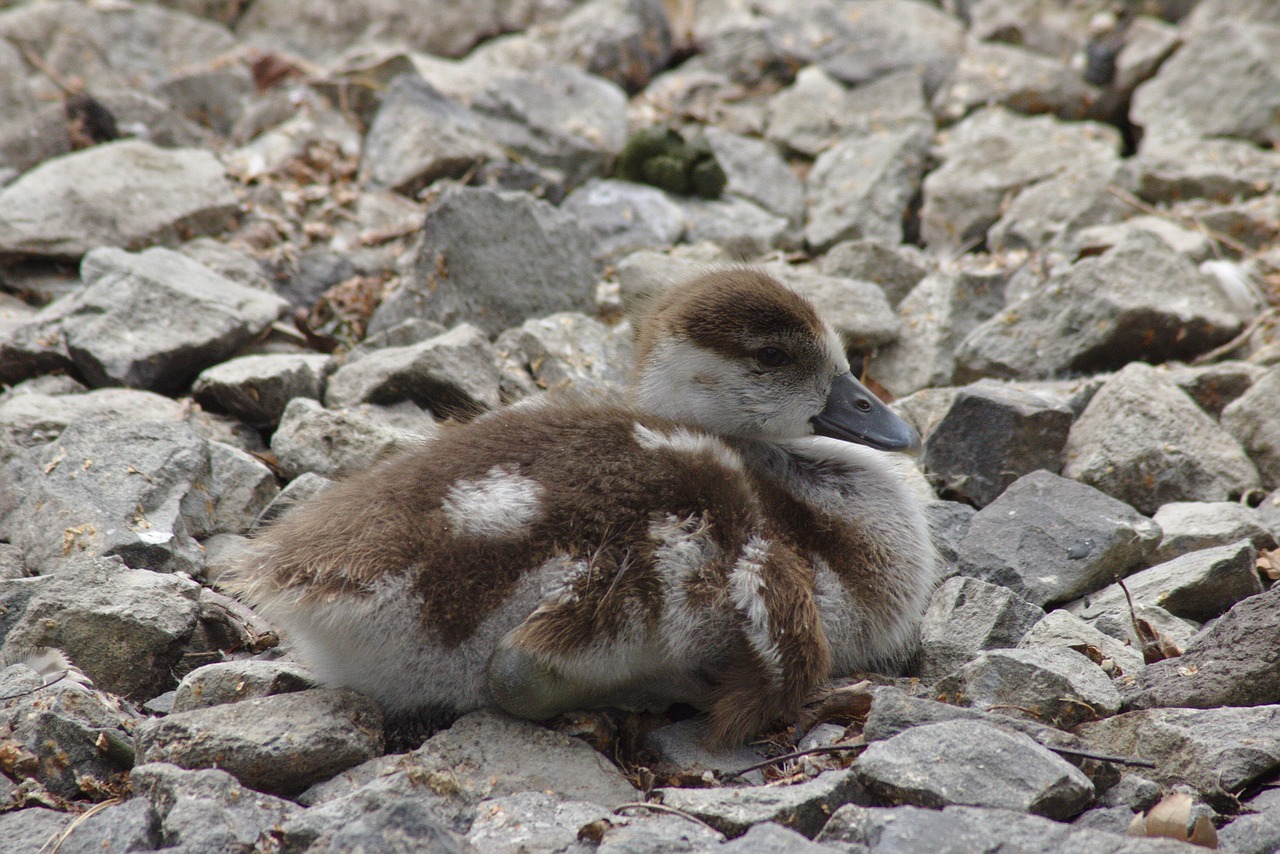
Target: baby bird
x,y
729,537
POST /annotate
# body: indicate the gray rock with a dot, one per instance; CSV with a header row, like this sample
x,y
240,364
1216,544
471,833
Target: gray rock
x,y
1066,539
279,744
803,806
817,111
130,826
1096,239
967,617
1269,511
139,490
1215,386
415,330
428,805
893,711
128,193
756,171
478,244
1216,751
125,628
557,117
1062,686
934,318
530,821
896,269
1064,629
1235,662
486,755
682,744
959,830
568,351
949,521
933,766
1117,622
626,41
329,442
302,488
993,154
418,136
1143,441
993,435
29,830
33,419
453,373
256,389
232,681
194,318
399,824
1189,526
1252,834
743,229
1052,210
206,810
640,830
855,309
11,563
1221,170
240,488
1198,586
860,188
1222,83
1139,300
1014,77
1251,418
770,838
74,740
625,217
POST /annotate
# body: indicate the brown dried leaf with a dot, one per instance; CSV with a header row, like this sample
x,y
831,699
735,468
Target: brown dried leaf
x,y
1171,819
1156,645
1269,565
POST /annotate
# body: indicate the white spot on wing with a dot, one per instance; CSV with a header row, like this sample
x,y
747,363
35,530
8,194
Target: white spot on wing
x,y
501,503
746,588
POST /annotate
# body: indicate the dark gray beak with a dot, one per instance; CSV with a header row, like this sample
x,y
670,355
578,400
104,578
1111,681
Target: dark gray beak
x,y
854,414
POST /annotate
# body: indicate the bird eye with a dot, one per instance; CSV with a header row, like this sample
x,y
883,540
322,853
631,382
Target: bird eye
x,y
772,357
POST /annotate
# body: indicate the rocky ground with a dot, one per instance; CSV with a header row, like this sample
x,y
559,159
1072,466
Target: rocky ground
x,y
247,245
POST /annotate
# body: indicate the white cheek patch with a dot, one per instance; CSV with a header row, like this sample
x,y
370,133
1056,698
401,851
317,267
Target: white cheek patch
x,y
500,504
684,441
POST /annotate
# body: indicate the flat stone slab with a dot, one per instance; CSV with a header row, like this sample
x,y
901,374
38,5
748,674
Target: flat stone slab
x,y
974,764
801,806
280,744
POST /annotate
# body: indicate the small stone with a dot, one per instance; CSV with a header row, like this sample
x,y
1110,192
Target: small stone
x,y
625,216
256,389
1198,586
530,821
1216,751
328,442
568,351
1058,686
1189,526
967,617
682,745
896,269
128,194
860,188
855,309
1235,662
1064,629
756,171
232,681
1214,386
1066,539
301,489
741,228
279,744
801,806
206,810
934,766
241,485
1014,77
1143,441
478,245
125,628
991,436
453,373
1251,418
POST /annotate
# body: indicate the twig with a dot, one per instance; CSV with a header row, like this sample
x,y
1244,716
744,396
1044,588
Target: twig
x,y
255,633
37,62
786,757
54,681
662,808
1101,757
1240,340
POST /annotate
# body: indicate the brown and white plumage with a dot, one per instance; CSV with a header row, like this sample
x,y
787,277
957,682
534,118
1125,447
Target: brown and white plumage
x,y
704,543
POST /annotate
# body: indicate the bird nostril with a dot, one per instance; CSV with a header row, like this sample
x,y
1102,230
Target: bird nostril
x,y
863,404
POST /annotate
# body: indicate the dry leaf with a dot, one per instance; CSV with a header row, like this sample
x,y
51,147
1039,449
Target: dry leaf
x,y
1171,819
1269,565
1156,645
844,704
